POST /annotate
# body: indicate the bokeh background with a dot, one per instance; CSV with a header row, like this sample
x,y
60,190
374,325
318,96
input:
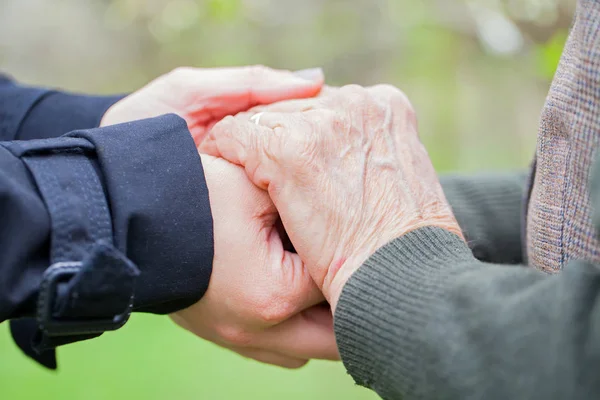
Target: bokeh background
x,y
477,72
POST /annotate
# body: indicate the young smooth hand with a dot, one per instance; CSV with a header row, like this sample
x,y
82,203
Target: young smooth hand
x,y
204,96
261,301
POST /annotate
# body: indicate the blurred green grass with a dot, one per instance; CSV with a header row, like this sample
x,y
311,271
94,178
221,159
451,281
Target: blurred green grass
x,y
152,358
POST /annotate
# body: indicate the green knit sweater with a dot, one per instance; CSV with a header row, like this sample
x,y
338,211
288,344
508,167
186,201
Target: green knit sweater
x,y
426,318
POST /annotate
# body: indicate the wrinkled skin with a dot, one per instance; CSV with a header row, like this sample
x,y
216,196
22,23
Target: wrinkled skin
x,y
261,301
204,96
346,171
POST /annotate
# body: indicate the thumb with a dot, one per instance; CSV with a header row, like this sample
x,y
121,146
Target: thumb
x,y
254,147
301,292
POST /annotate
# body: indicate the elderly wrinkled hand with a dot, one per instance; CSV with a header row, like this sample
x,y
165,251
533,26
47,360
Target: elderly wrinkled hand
x,y
346,171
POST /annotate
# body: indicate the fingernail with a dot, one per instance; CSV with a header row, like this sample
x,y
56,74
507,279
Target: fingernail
x,y
310,74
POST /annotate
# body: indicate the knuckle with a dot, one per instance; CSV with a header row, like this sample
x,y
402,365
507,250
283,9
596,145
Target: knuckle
x,y
390,92
386,88
298,142
356,97
346,97
387,93
269,146
234,335
181,71
353,89
336,122
272,309
306,147
256,72
224,126
402,98
228,120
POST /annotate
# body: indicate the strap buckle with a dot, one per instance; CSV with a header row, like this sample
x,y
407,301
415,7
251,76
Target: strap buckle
x,y
78,298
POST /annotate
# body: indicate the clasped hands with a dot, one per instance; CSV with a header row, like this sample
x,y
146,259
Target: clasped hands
x,y
338,173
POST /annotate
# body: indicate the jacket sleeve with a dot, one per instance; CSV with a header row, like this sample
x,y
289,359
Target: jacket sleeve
x,y
489,208
147,178
38,113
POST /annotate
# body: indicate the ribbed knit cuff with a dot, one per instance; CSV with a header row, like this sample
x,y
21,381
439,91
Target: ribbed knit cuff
x,y
389,300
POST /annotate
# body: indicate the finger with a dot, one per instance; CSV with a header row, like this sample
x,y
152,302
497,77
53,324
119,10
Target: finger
x,y
403,110
289,106
242,142
327,91
269,357
227,91
269,86
283,122
301,292
307,335
387,92
299,105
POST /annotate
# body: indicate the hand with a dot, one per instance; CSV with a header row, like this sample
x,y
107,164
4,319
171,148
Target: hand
x,y
346,171
204,96
261,301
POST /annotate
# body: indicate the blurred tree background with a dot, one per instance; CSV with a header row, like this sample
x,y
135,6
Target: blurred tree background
x,y
477,72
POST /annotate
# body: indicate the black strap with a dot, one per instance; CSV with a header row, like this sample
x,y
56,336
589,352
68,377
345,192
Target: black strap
x,y
88,289
76,202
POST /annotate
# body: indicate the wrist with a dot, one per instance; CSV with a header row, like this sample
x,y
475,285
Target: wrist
x,y
332,288
111,115
105,120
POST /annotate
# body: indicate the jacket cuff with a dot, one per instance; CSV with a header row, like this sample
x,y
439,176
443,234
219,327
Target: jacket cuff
x,y
386,304
56,113
153,185
160,208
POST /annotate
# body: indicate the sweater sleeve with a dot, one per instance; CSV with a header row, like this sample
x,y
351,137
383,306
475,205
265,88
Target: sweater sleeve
x,y
488,208
423,319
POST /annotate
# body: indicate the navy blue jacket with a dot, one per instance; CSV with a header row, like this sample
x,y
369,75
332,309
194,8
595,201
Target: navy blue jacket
x,y
94,222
